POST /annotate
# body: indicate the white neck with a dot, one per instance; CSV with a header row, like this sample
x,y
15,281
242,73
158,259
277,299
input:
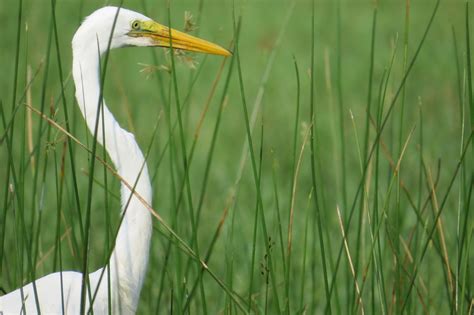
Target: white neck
x,y
130,256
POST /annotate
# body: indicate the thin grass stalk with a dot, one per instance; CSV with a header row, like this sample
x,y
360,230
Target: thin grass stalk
x,y
28,144
59,189
267,256
174,207
469,93
378,218
23,134
106,211
377,255
254,249
5,208
464,268
302,307
464,200
19,241
17,61
254,169
39,208
30,120
418,235
10,163
66,116
26,141
286,263
76,119
312,128
364,181
356,299
377,252
370,80
397,214
469,71
349,258
229,260
340,102
292,207
279,226
263,266
462,180
184,152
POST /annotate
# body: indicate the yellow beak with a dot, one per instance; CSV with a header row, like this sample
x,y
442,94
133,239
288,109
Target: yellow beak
x,y
163,36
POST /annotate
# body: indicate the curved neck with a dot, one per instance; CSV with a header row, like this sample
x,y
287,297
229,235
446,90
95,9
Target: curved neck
x,y
129,259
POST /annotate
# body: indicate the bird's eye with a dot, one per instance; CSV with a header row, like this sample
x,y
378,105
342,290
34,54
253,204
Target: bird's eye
x,y
136,25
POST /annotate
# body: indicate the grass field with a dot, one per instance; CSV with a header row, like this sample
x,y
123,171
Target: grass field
x,y
356,197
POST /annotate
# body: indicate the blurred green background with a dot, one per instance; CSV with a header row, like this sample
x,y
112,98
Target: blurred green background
x,y
434,104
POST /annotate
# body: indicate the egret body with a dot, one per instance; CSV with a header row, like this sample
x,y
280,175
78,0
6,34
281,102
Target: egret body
x,y
60,292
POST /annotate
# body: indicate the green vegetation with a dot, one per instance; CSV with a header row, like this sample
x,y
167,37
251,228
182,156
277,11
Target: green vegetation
x,y
354,196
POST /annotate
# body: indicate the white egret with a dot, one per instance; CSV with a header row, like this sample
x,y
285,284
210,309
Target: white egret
x,y
60,292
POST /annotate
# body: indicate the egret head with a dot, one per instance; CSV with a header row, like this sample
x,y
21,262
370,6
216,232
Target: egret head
x,y
134,29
